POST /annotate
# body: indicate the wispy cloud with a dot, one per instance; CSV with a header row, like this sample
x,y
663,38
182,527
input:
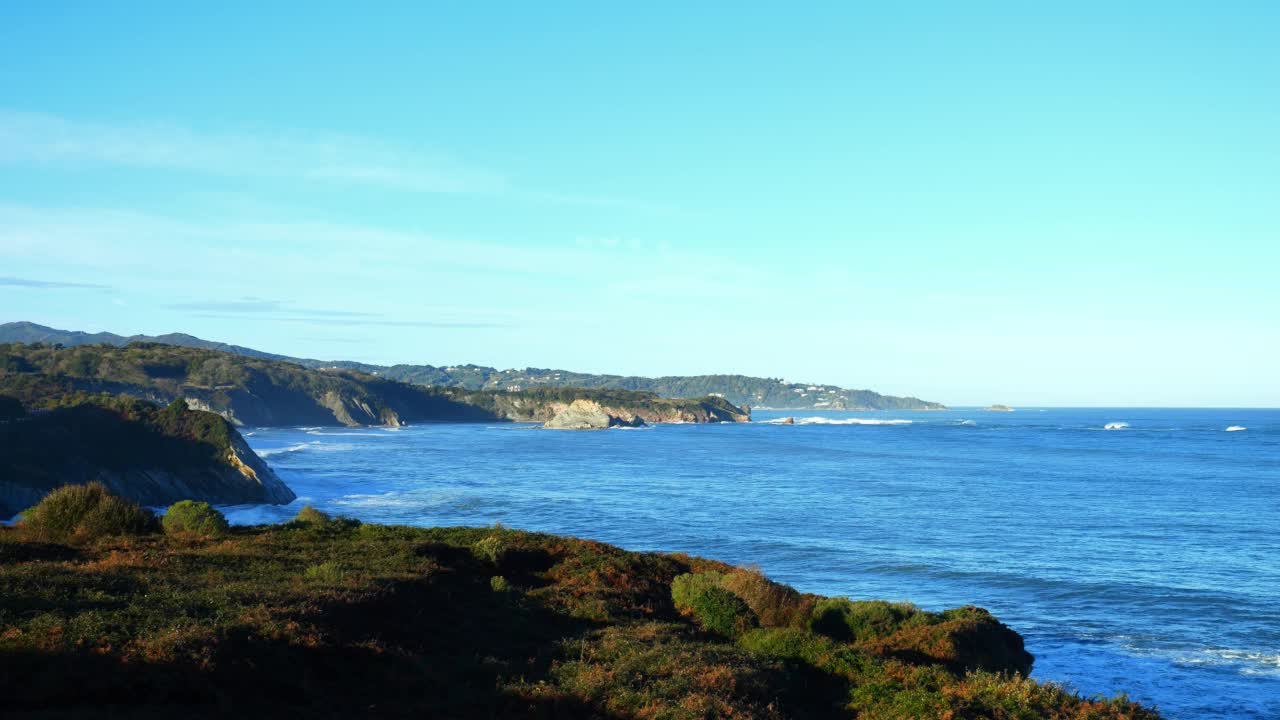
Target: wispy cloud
x,y
280,311
357,274
28,138
262,305
48,284
373,321
47,139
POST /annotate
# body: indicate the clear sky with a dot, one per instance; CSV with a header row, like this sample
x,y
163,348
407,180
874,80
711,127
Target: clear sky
x,y
970,202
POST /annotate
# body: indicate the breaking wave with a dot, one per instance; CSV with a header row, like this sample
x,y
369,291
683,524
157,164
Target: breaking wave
x,y
834,421
1236,428
1116,426
268,452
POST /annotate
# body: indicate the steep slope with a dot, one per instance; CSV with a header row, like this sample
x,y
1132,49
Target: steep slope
x,y
150,455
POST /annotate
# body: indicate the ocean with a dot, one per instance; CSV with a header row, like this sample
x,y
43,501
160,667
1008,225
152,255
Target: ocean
x,y
1136,550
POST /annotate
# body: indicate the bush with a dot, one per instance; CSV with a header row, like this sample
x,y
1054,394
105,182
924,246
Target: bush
x,y
82,513
843,619
308,515
326,572
775,604
787,643
720,611
488,549
499,584
194,518
684,588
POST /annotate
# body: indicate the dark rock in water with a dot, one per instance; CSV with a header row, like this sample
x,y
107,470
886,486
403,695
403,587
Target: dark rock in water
x,y
788,421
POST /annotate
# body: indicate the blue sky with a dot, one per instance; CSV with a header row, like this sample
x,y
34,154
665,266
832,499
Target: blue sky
x,y
969,202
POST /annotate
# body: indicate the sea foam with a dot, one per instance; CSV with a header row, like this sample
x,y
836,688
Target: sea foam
x,y
1236,428
834,421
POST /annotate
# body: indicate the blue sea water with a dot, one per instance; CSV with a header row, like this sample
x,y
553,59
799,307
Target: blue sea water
x,y
1143,559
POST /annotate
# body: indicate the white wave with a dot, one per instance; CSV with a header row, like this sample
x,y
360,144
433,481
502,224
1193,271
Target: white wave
x,y
966,423
1248,662
1116,426
285,450
834,421
1236,428
346,434
261,514
386,500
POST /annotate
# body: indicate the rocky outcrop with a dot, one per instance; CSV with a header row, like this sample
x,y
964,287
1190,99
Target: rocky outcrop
x,y
136,455
591,415
596,411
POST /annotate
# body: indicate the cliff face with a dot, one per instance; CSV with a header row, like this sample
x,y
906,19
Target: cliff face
x,y
590,415
262,392
150,456
598,410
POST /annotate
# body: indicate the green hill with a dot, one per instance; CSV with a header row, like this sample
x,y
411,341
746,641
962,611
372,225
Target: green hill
x,y
737,389
261,392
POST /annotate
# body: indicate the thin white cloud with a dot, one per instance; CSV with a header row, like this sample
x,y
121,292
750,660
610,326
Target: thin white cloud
x,y
28,138
33,138
396,275
9,281
256,305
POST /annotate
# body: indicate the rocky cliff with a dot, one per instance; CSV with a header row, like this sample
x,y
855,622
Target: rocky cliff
x,y
595,409
143,453
262,392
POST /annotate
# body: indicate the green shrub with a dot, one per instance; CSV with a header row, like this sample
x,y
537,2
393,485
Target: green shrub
x,y
684,588
194,518
308,515
489,549
326,572
499,584
81,513
775,604
846,620
719,611
786,642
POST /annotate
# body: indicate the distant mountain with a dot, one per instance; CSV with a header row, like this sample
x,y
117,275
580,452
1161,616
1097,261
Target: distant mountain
x,y
29,332
737,389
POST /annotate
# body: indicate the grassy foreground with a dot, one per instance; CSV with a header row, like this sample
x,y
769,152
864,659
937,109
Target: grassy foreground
x,y
332,618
